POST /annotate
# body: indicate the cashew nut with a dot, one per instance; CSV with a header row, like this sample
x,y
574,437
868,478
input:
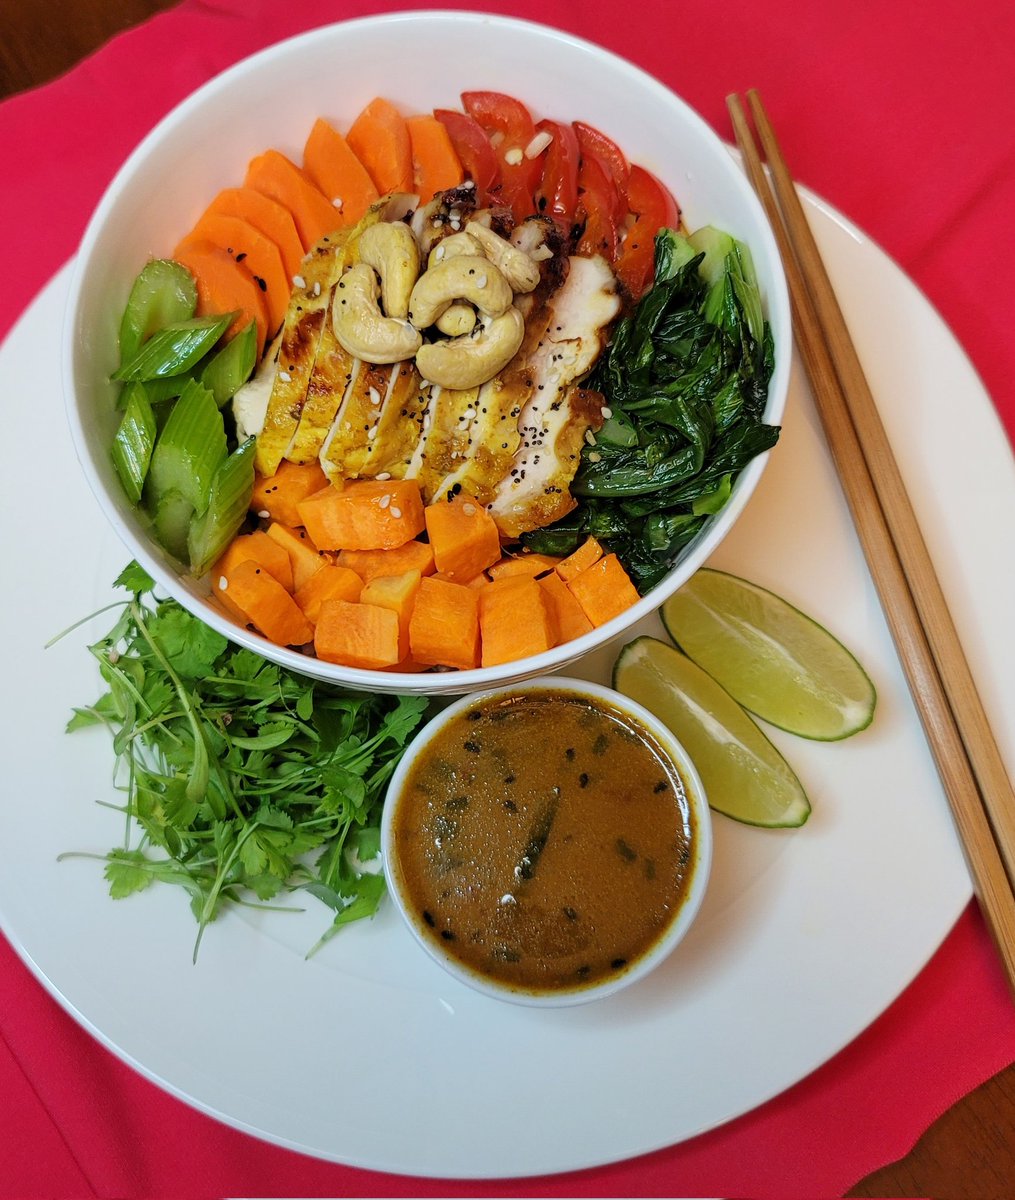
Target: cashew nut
x,y
516,266
470,360
464,277
361,327
452,245
393,252
456,319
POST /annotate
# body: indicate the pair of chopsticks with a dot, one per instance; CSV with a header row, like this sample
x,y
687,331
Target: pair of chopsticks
x,y
966,755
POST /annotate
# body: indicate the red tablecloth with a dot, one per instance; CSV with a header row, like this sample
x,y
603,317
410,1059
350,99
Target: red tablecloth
x,y
901,115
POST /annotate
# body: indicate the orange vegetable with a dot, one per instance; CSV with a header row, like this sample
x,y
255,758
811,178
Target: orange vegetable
x,y
397,592
463,535
568,613
276,496
604,590
267,215
368,564
379,137
587,553
305,557
435,165
329,583
262,550
444,627
365,514
256,252
224,285
526,565
357,635
267,605
275,176
515,621
331,164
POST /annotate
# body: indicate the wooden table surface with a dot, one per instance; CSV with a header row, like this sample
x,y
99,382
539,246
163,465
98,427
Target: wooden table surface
x,y
969,1154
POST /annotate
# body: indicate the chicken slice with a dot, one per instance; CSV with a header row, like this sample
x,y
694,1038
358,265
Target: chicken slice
x,y
536,489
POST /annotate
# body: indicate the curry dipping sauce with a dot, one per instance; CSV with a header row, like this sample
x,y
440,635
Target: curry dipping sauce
x,y
544,840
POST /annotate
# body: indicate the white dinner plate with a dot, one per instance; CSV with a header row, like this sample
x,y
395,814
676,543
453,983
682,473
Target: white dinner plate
x,y
804,937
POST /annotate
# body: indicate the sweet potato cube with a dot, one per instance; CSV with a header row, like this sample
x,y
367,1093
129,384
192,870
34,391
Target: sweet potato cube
x,y
515,620
464,537
397,592
568,613
588,552
604,590
369,564
262,550
357,635
366,514
267,605
444,627
276,496
304,556
529,566
329,583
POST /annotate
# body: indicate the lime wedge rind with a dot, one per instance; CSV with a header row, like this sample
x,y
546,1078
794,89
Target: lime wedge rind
x,y
743,774
776,661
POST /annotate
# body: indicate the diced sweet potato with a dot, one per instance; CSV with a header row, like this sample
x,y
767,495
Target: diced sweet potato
x,y
263,550
528,566
444,628
366,514
329,583
369,564
569,614
357,635
397,592
276,496
305,557
604,590
515,621
463,535
267,605
588,552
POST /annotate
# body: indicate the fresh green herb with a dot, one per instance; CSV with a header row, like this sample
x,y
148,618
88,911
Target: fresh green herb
x,y
242,780
686,381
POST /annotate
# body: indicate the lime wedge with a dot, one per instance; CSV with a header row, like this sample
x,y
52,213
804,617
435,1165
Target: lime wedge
x,y
743,774
777,662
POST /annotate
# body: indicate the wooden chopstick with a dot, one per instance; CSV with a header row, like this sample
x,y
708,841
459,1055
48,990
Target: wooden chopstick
x,y
958,732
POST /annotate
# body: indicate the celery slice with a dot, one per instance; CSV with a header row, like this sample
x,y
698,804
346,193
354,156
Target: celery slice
x,y
231,490
134,441
172,517
175,348
231,366
162,294
189,449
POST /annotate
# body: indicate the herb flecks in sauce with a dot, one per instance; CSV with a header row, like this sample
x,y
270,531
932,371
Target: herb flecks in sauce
x,y
571,878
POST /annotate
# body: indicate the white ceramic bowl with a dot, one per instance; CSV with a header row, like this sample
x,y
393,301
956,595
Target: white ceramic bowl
x,y
699,866
272,100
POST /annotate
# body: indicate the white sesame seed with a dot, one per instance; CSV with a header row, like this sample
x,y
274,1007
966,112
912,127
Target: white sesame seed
x,y
383,475
538,144
385,501
468,414
595,456
375,396
317,289
264,514
337,201
469,509
223,583
607,413
514,156
284,376
455,223
371,433
396,512
590,437
469,184
299,281
439,253
481,281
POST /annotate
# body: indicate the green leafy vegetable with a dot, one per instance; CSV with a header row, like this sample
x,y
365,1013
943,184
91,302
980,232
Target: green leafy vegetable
x,y
241,780
686,382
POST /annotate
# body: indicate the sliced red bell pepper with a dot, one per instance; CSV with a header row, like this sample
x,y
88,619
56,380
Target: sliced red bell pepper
x,y
557,192
653,207
472,145
509,125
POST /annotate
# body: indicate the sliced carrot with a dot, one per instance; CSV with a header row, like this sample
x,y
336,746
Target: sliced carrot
x,y
331,164
267,605
329,583
365,514
515,621
369,564
604,590
463,535
262,550
357,635
587,553
274,220
257,253
224,285
379,137
305,557
277,177
277,495
444,627
569,614
529,566
435,165
397,592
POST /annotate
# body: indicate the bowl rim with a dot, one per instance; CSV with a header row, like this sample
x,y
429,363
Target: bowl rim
x,y
702,846
195,597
